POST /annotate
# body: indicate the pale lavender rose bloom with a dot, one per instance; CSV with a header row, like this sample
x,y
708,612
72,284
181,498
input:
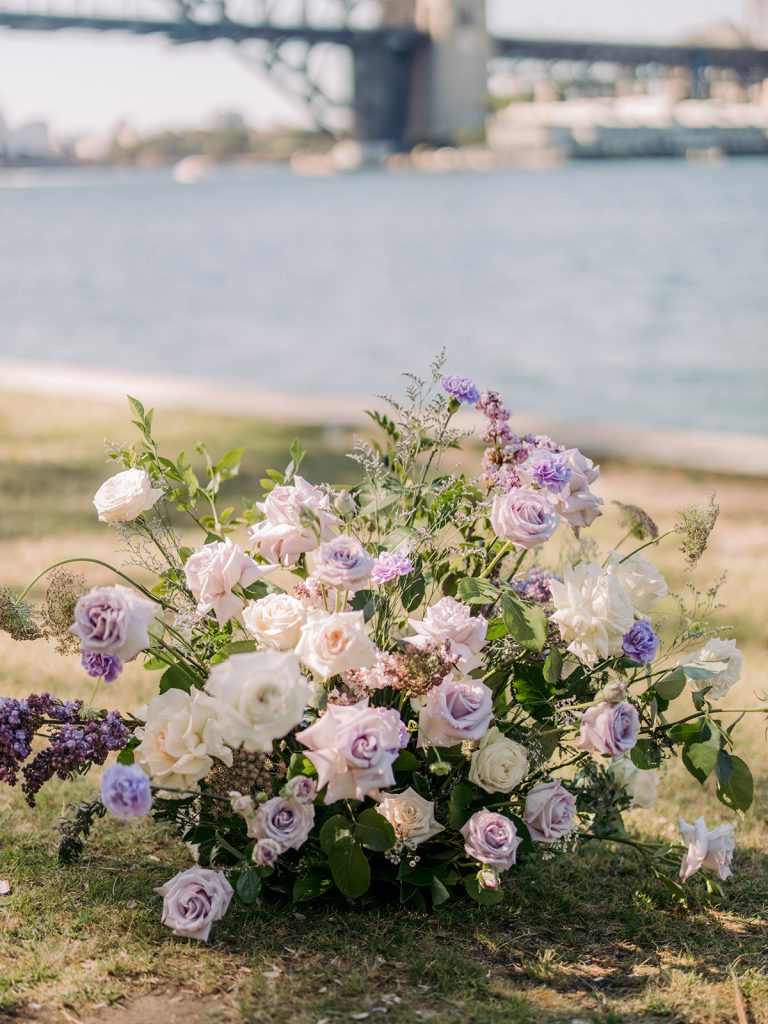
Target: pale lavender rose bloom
x,y
125,791
388,566
491,839
550,812
343,563
453,621
353,748
212,572
609,729
523,516
266,852
297,518
285,821
114,621
577,505
193,900
301,788
456,710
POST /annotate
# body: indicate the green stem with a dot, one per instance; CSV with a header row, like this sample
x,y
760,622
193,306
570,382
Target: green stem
x,y
699,714
105,565
656,540
505,547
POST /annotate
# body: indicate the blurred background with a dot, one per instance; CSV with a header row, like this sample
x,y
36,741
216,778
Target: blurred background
x,y
311,196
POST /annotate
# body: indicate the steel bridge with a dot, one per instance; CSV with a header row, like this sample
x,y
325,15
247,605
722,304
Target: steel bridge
x,y
419,66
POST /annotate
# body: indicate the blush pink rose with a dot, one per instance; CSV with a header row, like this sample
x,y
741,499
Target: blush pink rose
x,y
450,620
343,563
550,812
213,571
297,518
577,505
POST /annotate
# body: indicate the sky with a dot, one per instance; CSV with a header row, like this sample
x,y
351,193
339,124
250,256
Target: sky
x,y
81,82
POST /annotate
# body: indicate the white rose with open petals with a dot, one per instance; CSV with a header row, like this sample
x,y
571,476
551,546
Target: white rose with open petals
x,y
179,740
123,497
499,765
257,698
276,620
332,643
642,580
716,665
577,505
411,816
712,850
213,571
593,611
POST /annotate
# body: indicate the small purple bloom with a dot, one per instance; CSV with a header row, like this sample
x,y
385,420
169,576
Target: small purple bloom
x,y
640,644
125,791
106,665
535,586
492,405
389,565
461,388
548,471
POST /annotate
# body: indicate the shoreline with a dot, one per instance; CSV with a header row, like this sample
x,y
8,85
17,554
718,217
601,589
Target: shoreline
x,y
717,452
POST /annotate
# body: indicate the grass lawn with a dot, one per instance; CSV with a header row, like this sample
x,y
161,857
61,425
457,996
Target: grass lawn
x,y
581,938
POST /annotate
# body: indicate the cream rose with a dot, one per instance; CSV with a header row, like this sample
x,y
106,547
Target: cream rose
x,y
179,740
499,765
257,698
716,665
411,816
276,620
641,579
335,643
592,610
123,497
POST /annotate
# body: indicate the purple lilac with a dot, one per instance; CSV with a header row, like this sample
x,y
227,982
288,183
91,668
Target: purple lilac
x,y
535,586
106,665
492,405
640,644
125,791
548,471
389,565
19,721
461,388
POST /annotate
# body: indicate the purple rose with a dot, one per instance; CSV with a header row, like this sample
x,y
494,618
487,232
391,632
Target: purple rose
x,y
549,812
461,388
287,822
301,788
492,839
115,621
609,728
193,900
523,516
343,563
548,470
106,665
388,566
640,644
125,791
456,710
266,852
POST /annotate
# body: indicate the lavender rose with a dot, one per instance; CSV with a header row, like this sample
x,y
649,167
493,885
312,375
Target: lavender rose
x,y
266,852
125,791
101,665
640,643
287,822
388,566
609,729
453,621
302,788
115,621
456,710
491,839
193,900
549,812
523,516
343,563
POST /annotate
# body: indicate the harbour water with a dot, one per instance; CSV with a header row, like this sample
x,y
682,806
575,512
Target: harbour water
x,y
626,292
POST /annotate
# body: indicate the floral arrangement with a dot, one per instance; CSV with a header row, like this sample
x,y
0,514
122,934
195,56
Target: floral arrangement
x,y
409,686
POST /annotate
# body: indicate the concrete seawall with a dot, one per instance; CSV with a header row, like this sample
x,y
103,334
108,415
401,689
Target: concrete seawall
x,y
737,454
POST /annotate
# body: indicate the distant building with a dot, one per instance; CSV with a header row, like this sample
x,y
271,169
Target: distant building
x,y
756,22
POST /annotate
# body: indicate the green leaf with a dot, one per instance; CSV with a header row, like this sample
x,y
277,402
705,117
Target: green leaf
x,y
533,692
349,867
496,630
247,886
175,678
544,741
126,754
300,765
486,897
673,887
737,792
724,767
553,667
477,591
685,732
374,831
311,884
238,647
526,622
335,828
671,686
136,407
440,894
645,754
459,804
406,761
229,464
413,591
700,757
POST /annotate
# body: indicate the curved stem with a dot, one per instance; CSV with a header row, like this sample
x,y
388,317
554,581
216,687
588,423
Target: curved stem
x,y
105,565
647,544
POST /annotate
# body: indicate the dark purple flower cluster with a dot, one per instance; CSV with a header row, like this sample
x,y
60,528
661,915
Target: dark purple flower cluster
x,y
106,665
641,643
461,388
73,743
535,586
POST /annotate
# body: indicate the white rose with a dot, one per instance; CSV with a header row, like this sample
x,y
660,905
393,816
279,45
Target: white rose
x,y
257,698
577,505
276,620
335,643
499,765
411,816
179,740
641,786
123,497
642,580
592,610
712,850
717,665
214,570
453,621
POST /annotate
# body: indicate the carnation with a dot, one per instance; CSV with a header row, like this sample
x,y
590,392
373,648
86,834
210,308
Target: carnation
x,y
461,388
388,566
125,791
592,610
